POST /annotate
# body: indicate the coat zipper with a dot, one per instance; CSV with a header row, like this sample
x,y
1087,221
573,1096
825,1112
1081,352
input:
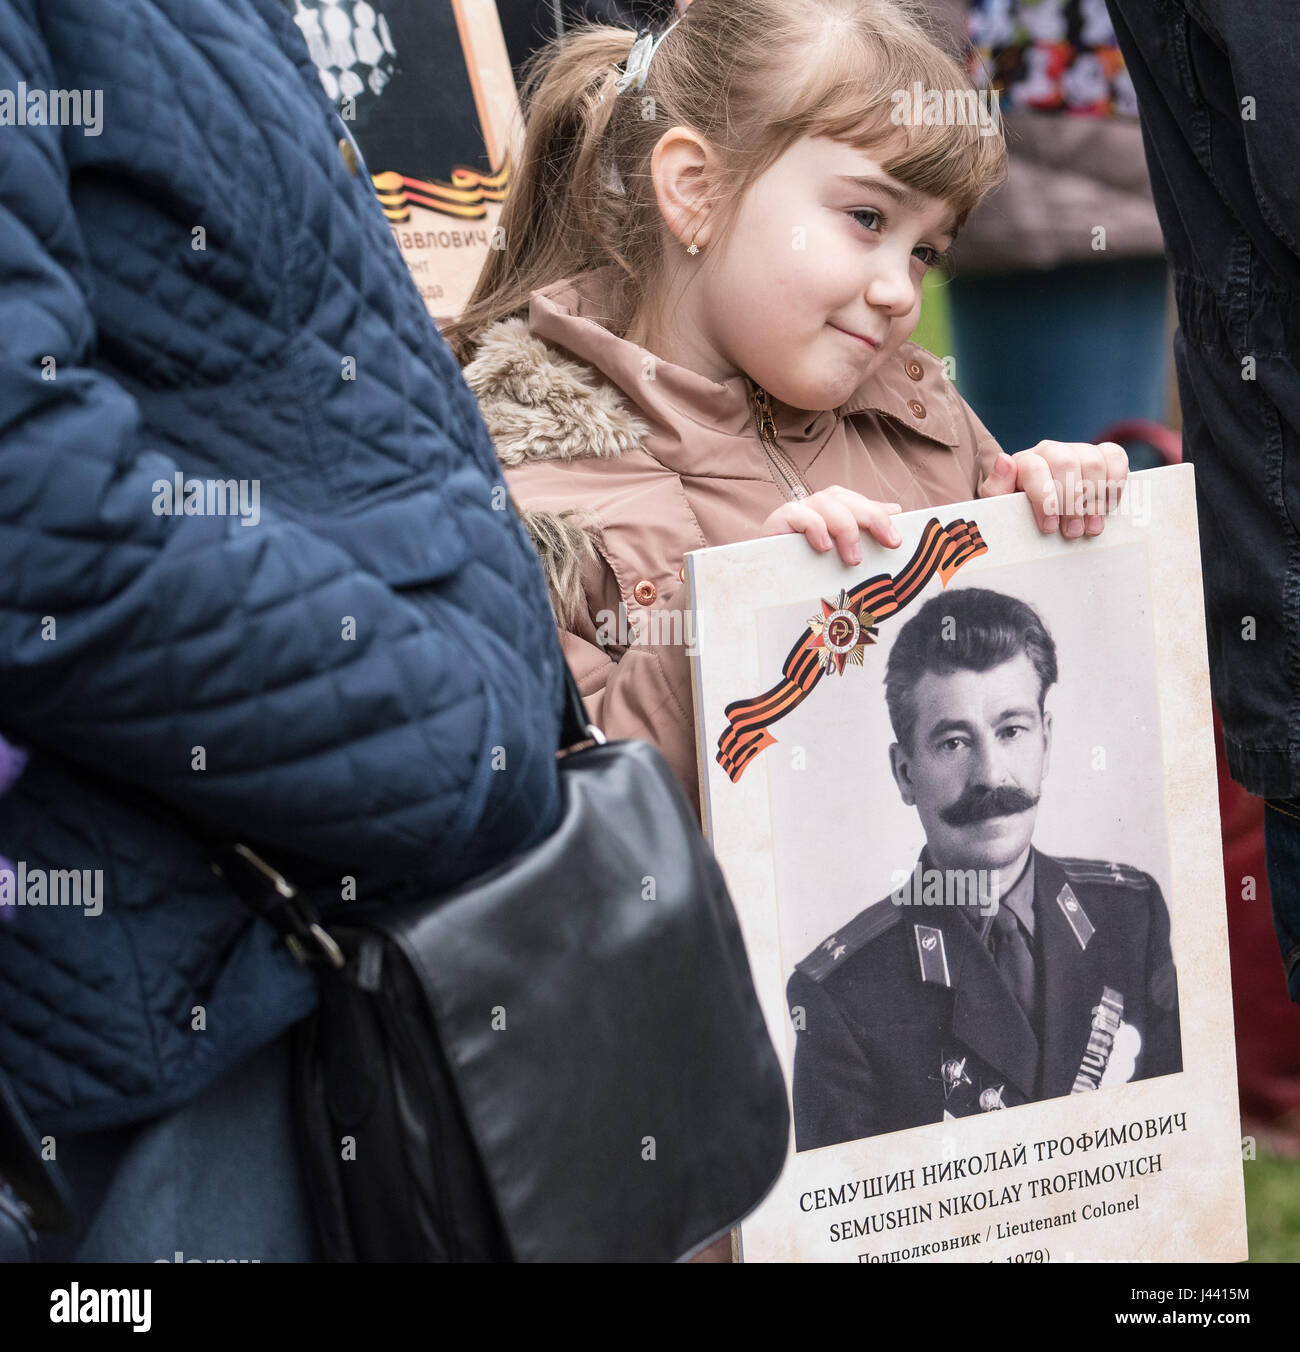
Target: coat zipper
x,y
766,427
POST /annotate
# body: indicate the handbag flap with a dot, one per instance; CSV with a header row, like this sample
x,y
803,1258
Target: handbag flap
x,y
596,1007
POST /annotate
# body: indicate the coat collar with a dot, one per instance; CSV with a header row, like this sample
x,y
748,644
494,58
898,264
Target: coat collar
x,y
1072,977
548,407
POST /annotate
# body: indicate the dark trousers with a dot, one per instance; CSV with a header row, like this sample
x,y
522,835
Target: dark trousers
x,y
216,1181
1219,95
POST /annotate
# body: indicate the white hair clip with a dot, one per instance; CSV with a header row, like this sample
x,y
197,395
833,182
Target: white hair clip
x,y
639,58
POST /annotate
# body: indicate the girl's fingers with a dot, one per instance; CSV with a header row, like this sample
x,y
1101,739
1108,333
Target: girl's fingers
x,y
1034,477
1115,472
801,519
838,516
871,516
1092,479
1081,481
874,517
842,523
1116,461
1001,478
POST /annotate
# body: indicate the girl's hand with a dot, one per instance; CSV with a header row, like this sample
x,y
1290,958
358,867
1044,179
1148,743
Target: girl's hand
x,y
836,515
1070,484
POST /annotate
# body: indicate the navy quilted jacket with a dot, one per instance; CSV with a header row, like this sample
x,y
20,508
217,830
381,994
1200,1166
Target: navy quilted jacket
x,y
367,678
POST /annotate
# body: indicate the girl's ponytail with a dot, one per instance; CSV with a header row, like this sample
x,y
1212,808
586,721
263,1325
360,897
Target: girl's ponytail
x,y
560,216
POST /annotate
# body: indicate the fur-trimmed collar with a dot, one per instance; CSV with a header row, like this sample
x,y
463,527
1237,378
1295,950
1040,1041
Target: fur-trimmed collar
x,y
539,405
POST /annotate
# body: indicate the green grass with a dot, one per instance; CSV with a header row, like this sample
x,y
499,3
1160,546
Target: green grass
x,y
1273,1209
934,331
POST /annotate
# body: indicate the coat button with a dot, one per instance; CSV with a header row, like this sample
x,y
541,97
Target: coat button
x,y
349,155
917,407
915,369
645,592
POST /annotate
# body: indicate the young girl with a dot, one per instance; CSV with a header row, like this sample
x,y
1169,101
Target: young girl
x,y
696,332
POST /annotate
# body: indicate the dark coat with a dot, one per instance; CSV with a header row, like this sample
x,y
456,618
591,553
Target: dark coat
x,y
877,1025
1220,106
370,671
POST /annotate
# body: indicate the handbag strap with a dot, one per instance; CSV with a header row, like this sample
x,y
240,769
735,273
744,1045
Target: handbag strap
x,y
576,729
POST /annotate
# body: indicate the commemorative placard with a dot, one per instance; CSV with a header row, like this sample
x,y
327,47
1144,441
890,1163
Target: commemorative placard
x,y
426,90
964,795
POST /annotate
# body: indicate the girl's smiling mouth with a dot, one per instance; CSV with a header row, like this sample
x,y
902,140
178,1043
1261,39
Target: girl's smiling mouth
x,y
857,337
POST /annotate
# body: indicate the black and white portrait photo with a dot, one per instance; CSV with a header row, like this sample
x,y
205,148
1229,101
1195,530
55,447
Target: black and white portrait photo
x,y
996,973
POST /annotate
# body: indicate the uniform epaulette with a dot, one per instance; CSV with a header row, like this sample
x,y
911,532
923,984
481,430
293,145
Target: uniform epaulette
x,y
864,927
1102,871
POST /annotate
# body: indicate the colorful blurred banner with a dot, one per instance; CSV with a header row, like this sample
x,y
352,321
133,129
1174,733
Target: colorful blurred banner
x,y
426,89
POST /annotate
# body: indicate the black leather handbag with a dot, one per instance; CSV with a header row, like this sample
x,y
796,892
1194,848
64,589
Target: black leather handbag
x,y
563,1059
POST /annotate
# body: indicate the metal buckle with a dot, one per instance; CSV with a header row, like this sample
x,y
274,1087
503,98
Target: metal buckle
x,y
594,738
324,940
281,884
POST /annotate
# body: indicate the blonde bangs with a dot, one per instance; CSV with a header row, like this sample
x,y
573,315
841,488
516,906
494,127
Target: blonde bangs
x,y
853,94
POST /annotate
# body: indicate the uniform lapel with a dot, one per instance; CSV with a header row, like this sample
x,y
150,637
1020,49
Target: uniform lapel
x,y
985,1015
1070,980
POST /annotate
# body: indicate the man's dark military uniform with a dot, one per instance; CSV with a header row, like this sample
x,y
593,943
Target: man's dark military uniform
x,y
903,1017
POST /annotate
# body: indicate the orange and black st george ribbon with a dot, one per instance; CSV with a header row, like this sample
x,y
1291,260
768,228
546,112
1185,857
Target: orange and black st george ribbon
x,y
840,635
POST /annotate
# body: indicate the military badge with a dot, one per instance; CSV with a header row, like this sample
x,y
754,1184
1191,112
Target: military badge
x,y
958,1087
953,1074
991,1099
1122,1064
1075,916
840,634
932,955
1107,1020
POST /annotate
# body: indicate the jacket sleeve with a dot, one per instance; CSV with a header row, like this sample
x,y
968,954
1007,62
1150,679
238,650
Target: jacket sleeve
x,y
978,445
143,645
835,1089
1163,1051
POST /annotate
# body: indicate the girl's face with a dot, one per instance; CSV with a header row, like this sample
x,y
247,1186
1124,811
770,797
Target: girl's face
x,y
820,279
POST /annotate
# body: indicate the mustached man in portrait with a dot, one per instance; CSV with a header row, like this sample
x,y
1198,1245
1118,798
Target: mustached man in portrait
x,y
994,974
